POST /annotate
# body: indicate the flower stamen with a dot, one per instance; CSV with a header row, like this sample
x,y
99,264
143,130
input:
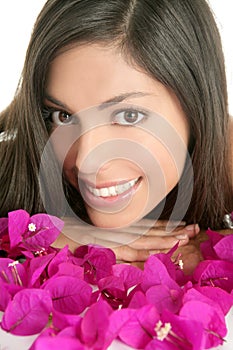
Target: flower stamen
x,y
181,264
15,273
162,331
5,276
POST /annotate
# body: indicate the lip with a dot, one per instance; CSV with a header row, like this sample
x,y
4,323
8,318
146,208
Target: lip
x,y
108,203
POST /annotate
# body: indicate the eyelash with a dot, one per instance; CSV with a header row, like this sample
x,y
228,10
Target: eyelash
x,y
47,112
130,109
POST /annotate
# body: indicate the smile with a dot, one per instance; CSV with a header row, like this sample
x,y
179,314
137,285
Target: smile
x,y
112,190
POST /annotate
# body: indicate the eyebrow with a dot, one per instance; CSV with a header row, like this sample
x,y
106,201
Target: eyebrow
x,y
121,98
56,101
114,100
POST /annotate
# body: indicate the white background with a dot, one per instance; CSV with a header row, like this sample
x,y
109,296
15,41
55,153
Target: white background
x,y
16,22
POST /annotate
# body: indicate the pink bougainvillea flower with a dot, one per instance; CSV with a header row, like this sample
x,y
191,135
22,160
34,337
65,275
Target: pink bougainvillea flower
x,y
180,331
6,251
69,269
207,247
37,269
212,319
224,248
69,294
46,333
62,321
129,274
28,312
137,299
92,331
135,327
165,298
168,263
36,232
70,331
156,344
114,289
157,308
94,326
215,273
223,299
54,343
60,257
155,273
97,262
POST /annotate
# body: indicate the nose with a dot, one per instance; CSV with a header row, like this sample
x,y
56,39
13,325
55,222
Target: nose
x,y
89,151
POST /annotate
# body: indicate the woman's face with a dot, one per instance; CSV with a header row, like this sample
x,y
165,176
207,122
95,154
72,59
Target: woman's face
x,y
120,136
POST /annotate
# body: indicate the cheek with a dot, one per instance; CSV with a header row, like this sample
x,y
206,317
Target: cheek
x,y
66,160
170,164
69,167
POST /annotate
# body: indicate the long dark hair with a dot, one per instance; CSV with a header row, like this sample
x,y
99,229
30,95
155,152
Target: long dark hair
x,y
173,41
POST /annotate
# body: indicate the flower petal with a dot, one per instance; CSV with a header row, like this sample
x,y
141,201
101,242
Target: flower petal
x,y
5,297
224,248
95,325
129,274
54,343
212,319
164,298
216,273
28,312
155,273
17,226
97,262
61,320
48,228
3,226
37,266
69,294
60,257
136,325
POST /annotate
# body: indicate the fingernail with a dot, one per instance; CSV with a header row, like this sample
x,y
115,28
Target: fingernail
x,y
182,236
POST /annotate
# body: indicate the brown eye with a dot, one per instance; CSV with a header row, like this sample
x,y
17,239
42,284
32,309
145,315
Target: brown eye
x,y
131,116
128,117
62,118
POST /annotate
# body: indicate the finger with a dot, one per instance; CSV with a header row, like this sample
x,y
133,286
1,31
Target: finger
x,y
144,225
157,223
151,243
128,254
190,230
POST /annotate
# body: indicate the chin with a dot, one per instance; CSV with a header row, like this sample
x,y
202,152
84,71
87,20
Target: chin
x,y
112,221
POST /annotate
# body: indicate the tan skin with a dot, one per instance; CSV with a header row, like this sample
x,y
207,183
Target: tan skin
x,y
87,76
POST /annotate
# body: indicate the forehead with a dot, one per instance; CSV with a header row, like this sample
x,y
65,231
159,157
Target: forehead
x,y
93,74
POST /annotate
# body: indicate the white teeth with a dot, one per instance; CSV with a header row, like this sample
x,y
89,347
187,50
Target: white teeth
x,y
113,190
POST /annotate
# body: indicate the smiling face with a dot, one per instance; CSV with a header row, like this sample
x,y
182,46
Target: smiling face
x,y
120,135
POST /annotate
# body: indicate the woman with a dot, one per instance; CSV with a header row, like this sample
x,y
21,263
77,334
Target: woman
x,y
157,68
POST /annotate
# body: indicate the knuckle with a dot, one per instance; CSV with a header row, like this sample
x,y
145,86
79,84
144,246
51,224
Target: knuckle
x,y
129,254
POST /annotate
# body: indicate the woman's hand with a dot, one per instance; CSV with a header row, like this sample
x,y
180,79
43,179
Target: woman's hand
x,y
130,244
